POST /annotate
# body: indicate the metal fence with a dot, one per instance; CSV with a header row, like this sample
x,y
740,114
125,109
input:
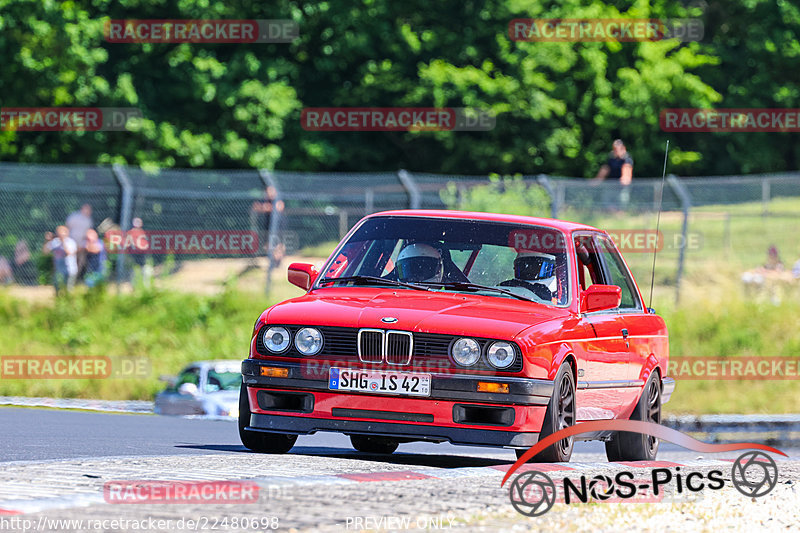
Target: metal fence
x,y
724,220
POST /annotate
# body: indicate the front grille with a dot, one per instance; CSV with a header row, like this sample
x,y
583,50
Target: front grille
x,y
370,345
398,347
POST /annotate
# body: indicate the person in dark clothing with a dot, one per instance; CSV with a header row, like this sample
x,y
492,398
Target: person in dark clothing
x,y
24,269
96,258
264,211
619,166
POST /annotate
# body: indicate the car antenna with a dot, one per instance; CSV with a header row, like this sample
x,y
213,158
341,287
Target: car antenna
x,y
658,223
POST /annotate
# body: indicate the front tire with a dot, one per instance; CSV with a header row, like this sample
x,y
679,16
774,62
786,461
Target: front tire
x,y
625,446
258,441
560,414
380,445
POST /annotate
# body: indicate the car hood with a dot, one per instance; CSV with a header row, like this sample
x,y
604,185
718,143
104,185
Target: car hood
x,y
426,312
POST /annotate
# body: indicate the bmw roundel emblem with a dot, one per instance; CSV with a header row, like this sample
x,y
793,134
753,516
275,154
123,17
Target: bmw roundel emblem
x,y
388,320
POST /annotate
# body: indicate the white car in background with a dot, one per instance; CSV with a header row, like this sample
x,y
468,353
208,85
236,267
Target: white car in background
x,y
203,388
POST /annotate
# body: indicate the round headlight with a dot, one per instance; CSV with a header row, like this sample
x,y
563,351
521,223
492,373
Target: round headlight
x,y
276,339
466,352
501,354
308,341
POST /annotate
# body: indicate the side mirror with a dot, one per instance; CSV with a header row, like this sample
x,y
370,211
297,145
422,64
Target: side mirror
x,y
600,298
302,275
189,389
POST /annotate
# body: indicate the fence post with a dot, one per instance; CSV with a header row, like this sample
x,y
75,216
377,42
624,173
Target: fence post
x,y
765,194
274,221
125,211
343,223
686,203
369,201
544,182
414,196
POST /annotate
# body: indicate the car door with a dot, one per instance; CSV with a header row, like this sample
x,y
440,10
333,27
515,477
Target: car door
x,y
603,374
637,322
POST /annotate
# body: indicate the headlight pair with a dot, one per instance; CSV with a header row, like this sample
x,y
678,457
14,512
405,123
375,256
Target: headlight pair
x,y
308,341
467,352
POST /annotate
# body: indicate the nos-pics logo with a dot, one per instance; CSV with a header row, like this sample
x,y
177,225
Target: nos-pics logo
x,y
533,493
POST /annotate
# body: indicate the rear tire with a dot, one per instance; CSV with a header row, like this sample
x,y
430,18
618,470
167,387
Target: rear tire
x,y
560,414
367,444
258,441
625,446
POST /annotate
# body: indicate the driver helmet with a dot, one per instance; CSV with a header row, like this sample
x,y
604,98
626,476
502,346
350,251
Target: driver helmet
x,y
419,262
536,267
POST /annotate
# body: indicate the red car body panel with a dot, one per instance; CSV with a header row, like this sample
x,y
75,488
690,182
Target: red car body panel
x,y
612,353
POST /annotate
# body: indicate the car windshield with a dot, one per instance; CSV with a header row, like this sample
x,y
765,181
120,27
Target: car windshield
x,y
222,379
455,255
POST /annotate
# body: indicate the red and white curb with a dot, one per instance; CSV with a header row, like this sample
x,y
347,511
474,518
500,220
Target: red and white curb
x,y
271,485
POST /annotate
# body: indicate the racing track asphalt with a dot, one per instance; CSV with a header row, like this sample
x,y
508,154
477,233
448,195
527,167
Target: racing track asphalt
x,y
31,434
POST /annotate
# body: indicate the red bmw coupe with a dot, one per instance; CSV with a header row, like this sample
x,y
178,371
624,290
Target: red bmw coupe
x,y
473,328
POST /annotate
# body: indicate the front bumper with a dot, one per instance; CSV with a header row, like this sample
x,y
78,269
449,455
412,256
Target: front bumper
x,y
301,403
454,435
453,387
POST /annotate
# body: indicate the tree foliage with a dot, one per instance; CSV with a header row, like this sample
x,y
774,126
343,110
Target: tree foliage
x,y
558,105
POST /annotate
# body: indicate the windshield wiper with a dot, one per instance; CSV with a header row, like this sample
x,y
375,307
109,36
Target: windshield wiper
x,y
469,286
375,279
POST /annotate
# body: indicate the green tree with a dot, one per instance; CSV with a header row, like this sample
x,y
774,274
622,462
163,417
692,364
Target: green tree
x,y
558,105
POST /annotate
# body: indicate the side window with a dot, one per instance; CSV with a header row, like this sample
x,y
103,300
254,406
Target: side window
x,y
619,275
190,376
589,271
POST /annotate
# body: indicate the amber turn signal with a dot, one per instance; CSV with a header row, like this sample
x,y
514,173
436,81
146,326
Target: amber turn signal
x,y
274,372
487,386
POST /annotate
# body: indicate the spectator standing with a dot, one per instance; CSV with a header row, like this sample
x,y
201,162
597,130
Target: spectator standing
x,y
79,222
64,251
6,275
265,210
24,269
141,256
96,258
618,166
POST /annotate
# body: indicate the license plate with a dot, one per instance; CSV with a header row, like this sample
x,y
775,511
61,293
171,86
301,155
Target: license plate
x,y
382,382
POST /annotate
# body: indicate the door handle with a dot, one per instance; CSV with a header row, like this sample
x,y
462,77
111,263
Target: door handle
x,y
624,333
